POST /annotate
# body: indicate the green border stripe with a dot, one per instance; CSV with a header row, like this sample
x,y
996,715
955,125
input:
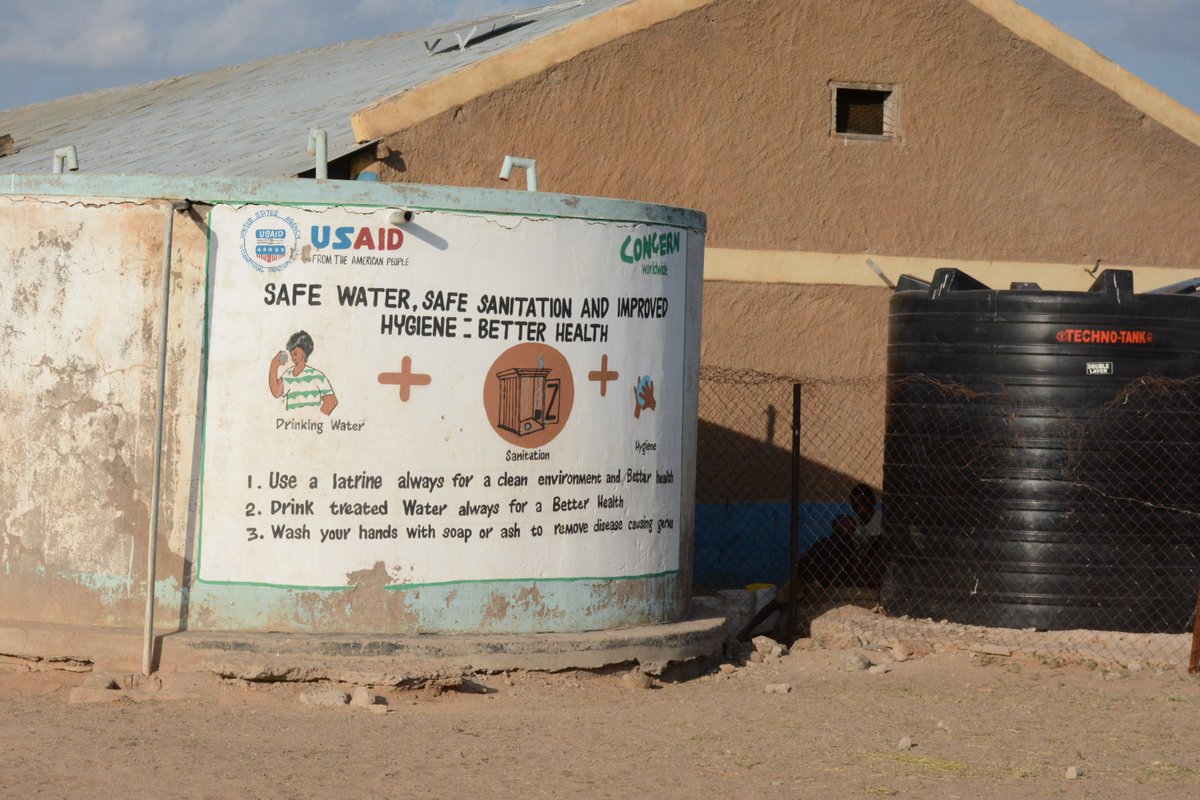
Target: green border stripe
x,y
406,586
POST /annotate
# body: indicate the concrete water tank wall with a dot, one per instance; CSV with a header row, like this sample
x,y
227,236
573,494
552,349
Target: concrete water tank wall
x,y
489,425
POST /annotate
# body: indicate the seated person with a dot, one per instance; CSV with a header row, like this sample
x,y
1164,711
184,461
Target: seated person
x,y
851,555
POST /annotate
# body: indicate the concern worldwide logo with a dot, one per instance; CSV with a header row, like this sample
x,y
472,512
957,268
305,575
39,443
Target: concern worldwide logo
x,y
269,240
649,249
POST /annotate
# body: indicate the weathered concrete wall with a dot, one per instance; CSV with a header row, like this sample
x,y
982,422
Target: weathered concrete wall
x,y
81,300
1005,153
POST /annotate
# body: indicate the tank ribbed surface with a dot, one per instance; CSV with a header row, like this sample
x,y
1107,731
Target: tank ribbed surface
x,y
1042,455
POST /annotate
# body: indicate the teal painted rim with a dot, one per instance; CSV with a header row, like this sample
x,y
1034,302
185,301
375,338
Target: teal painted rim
x,y
304,191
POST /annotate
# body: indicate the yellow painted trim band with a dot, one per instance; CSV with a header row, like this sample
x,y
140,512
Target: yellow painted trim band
x,y
403,110
851,269
1155,103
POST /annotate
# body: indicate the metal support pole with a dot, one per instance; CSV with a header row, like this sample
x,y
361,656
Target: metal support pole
x,y
1194,660
152,544
794,562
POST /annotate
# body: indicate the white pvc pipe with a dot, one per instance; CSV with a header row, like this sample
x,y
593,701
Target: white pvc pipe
x,y
69,155
527,164
318,145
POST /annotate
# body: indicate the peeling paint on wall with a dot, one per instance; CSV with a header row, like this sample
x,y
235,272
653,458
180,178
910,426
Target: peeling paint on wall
x,y
79,350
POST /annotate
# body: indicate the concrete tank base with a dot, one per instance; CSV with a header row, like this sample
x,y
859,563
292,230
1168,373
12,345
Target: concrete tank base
x,y
406,661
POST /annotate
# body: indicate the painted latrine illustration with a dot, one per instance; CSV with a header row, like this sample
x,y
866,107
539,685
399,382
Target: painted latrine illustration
x,y
529,399
528,394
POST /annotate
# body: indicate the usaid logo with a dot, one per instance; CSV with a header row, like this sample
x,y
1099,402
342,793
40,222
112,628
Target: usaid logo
x,y
268,241
363,238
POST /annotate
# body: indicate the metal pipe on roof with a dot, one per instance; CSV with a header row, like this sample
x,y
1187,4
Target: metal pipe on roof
x,y
527,164
464,41
66,154
318,145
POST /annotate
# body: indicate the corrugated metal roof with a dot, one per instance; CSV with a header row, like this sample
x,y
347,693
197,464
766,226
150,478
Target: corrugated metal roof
x,y
253,119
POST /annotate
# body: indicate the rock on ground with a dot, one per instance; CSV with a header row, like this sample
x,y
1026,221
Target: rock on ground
x,y
637,680
855,660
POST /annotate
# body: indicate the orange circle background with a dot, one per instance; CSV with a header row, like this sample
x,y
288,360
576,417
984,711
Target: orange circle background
x,y
526,356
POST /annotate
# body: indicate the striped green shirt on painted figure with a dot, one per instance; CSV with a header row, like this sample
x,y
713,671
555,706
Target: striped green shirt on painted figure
x,y
305,389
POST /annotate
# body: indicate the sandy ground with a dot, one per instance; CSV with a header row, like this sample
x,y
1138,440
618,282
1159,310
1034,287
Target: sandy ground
x,y
981,727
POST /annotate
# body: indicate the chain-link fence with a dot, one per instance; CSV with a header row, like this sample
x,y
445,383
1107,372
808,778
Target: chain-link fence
x,y
1073,532
744,468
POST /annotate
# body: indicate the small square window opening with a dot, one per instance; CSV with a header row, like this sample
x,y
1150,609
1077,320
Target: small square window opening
x,y
865,111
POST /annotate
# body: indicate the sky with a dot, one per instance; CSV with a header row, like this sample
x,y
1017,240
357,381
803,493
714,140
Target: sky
x,y
50,50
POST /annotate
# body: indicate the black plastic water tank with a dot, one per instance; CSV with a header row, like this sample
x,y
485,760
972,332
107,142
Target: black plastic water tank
x,y
1042,454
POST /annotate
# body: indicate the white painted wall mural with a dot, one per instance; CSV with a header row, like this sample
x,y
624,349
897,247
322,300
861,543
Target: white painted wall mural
x,y
459,397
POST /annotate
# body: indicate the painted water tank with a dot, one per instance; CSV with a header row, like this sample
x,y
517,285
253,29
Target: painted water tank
x,y
1042,454
389,408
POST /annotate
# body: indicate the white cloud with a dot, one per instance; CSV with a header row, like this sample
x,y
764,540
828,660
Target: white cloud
x,y
242,30
74,33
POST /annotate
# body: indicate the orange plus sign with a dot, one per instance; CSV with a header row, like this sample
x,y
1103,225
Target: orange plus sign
x,y
603,375
405,379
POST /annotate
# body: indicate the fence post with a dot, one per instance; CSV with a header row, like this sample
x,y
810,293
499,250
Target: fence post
x,y
793,562
1194,659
